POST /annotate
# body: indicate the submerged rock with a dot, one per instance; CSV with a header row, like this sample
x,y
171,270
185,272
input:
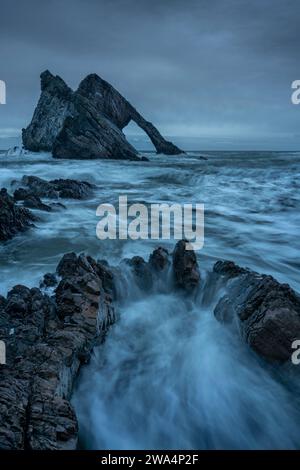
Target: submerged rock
x,y
49,280
72,189
109,102
30,200
185,267
87,135
87,123
267,312
39,187
49,116
13,219
47,339
64,188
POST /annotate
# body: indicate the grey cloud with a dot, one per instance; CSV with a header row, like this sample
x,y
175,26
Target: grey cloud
x,y
194,67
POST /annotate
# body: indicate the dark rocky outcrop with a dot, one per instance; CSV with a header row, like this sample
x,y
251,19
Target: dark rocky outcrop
x,y
267,313
33,185
64,188
47,339
49,116
142,272
88,135
110,103
13,219
87,123
159,260
185,267
49,280
33,188
30,200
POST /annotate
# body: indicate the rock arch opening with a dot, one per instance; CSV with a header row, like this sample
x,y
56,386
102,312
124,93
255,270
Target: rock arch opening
x,y
138,138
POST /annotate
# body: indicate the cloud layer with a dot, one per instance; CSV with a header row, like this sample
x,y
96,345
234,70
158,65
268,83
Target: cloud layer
x,y
220,70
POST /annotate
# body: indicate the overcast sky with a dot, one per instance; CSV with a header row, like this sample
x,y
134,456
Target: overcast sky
x,y
216,70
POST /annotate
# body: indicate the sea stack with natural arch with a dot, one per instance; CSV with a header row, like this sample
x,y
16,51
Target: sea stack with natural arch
x,y
87,123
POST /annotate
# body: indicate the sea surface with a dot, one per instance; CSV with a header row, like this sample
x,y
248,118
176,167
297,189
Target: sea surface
x,y
169,375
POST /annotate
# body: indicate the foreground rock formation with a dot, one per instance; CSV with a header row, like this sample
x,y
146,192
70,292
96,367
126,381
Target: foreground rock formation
x,y
267,313
49,332
88,123
13,219
47,338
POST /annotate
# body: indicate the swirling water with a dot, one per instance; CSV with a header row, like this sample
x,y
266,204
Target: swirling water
x,y
169,375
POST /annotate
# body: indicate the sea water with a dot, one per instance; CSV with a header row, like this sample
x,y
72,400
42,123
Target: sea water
x,y
169,375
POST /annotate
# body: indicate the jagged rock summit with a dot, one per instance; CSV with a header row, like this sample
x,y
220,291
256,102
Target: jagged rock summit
x,y
87,123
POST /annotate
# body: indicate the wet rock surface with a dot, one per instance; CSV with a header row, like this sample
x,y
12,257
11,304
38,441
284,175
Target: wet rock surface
x,y
49,280
185,267
109,102
13,219
267,312
88,135
30,200
63,188
31,189
88,123
47,338
52,109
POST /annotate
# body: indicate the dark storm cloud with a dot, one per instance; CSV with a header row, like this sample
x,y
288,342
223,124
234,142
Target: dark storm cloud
x,y
207,68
